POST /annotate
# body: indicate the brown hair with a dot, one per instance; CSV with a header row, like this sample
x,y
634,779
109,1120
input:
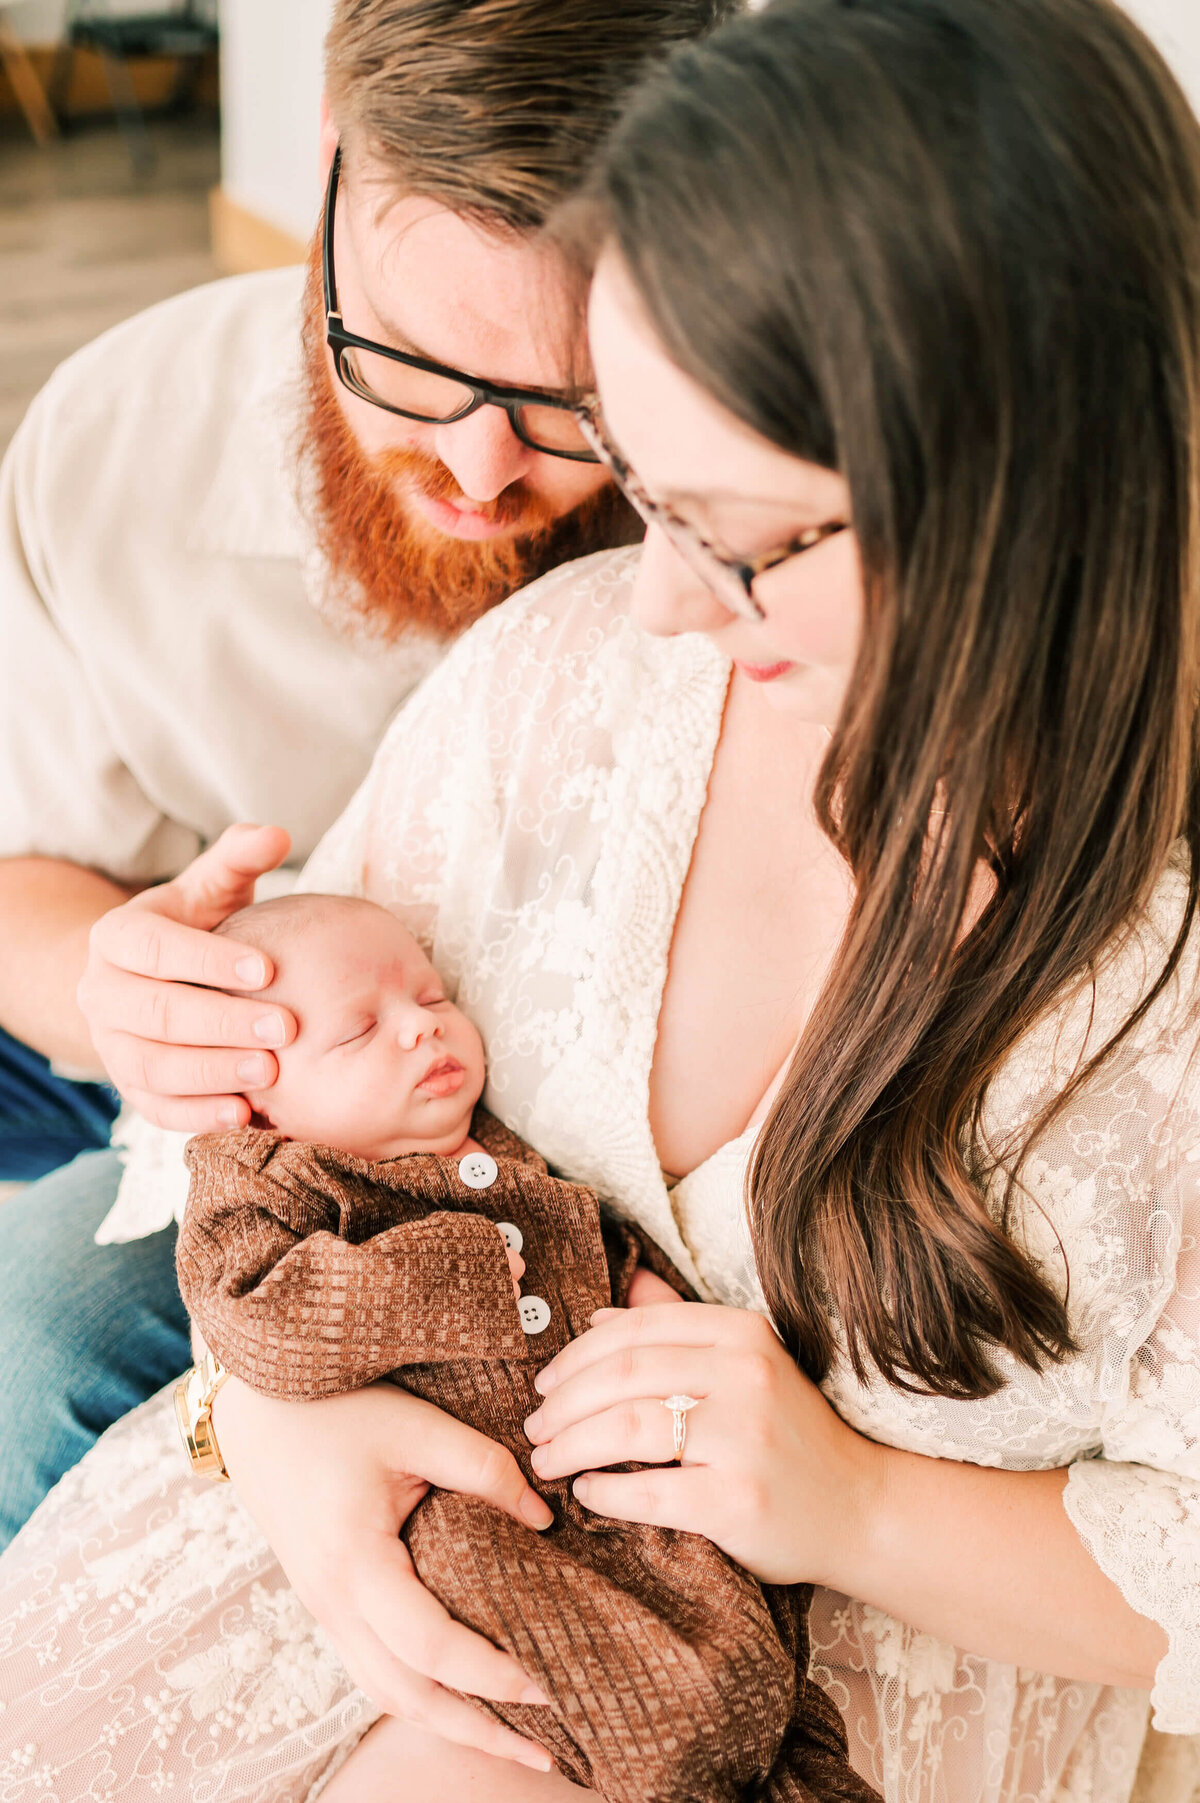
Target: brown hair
x,y
951,248
495,108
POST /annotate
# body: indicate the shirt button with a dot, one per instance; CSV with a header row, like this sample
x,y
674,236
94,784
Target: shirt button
x,y
478,1171
514,1239
535,1314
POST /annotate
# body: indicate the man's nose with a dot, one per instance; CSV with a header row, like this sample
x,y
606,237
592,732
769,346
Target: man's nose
x,y
483,453
668,597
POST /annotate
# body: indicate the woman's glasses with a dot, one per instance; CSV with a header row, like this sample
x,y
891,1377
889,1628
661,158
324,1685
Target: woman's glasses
x,y
731,579
416,388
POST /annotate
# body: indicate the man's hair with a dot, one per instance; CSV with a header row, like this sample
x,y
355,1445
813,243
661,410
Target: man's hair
x,y
494,108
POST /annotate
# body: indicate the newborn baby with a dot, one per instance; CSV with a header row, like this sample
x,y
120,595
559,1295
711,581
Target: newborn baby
x,y
371,1223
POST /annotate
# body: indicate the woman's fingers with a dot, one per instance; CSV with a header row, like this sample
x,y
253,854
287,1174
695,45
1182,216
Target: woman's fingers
x,y
640,1431
674,1324
416,1628
665,1496
457,1457
629,1375
648,1291
400,1691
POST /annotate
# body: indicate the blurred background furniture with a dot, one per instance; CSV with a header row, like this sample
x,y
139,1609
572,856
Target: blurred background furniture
x,y
187,33
24,80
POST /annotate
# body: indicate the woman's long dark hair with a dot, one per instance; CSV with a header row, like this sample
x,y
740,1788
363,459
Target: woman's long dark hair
x,y
952,249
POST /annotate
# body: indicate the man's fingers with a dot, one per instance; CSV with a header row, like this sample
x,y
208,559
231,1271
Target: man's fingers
x,y
414,1626
191,1114
180,1014
223,877
148,943
171,1070
404,1693
457,1457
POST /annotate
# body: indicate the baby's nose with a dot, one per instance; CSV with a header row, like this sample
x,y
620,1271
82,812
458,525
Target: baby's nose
x,y
417,1024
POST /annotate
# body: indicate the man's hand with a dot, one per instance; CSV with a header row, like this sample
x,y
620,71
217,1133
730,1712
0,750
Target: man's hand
x,y
173,1045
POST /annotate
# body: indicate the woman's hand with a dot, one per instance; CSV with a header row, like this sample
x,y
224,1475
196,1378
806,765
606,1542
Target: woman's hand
x,y
770,1473
331,1484
170,1041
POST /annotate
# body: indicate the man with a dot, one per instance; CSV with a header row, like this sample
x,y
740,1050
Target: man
x,y
234,533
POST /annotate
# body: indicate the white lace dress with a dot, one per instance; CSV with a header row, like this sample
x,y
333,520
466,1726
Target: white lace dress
x,y
532,814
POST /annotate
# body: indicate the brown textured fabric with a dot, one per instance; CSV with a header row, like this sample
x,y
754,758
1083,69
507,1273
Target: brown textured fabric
x,y
674,1676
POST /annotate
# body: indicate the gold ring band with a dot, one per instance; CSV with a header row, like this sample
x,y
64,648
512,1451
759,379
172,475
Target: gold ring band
x,y
679,1406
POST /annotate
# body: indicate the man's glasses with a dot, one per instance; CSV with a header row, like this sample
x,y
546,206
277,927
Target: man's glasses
x,y
731,579
415,388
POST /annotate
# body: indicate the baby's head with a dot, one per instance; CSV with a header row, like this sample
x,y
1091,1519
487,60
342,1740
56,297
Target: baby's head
x,y
382,1064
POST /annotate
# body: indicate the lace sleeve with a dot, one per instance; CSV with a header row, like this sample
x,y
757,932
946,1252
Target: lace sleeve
x,y
1137,1506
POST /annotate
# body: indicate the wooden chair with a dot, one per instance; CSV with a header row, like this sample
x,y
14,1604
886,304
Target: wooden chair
x,y
24,80
186,32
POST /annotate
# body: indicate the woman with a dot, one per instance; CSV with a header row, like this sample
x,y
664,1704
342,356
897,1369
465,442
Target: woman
x,y
848,851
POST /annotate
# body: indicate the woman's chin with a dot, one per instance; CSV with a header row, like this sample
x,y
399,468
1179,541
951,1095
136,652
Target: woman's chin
x,y
808,692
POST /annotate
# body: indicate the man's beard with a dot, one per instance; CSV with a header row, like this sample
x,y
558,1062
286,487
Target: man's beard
x,y
390,570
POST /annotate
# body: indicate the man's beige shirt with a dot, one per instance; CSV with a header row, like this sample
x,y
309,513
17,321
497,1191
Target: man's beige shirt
x,y
169,660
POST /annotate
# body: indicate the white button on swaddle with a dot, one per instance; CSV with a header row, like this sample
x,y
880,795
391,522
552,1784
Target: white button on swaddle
x,y
478,1170
514,1239
535,1313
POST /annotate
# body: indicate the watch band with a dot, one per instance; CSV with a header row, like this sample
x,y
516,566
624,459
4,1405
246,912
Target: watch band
x,y
194,1396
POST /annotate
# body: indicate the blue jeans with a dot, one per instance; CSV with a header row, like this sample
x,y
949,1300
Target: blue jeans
x,y
86,1332
46,1120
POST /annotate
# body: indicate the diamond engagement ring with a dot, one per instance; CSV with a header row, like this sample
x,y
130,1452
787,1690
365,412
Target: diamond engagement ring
x,y
679,1406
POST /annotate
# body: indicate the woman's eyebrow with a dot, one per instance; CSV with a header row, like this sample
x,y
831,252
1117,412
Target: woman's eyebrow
x,y
730,497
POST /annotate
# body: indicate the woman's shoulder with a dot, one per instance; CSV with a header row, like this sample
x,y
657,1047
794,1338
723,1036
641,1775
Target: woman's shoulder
x,y
1133,994
564,647
1097,1111
588,596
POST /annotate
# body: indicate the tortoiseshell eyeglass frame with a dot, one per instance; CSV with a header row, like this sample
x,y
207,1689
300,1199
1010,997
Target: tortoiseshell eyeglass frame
x,y
731,579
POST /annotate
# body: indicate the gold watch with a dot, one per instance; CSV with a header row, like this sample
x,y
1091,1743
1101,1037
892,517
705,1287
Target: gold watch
x,y
194,1396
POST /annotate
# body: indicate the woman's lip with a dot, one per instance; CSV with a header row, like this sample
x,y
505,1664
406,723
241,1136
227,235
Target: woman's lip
x,y
764,672
443,1078
457,522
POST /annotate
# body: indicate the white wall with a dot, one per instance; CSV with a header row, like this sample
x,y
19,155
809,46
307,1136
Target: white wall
x,y
271,85
1175,25
270,99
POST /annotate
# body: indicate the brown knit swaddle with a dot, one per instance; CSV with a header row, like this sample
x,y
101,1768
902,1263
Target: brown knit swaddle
x,y
674,1676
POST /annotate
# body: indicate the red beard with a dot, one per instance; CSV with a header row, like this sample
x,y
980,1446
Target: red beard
x,y
393,573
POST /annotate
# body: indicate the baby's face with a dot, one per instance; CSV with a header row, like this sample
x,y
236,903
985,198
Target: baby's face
x,y
382,1063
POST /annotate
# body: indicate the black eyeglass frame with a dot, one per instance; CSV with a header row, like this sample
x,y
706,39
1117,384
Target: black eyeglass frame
x,y
730,579
483,394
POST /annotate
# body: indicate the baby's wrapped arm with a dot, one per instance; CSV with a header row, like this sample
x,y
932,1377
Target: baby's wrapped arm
x,y
298,1311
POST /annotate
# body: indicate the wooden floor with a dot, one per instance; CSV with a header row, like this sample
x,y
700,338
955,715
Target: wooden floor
x,y
84,242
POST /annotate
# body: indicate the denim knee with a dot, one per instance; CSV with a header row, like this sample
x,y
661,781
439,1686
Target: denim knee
x,y
86,1332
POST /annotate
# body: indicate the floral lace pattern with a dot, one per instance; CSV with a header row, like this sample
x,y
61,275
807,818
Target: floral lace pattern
x,y
531,815
151,1646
